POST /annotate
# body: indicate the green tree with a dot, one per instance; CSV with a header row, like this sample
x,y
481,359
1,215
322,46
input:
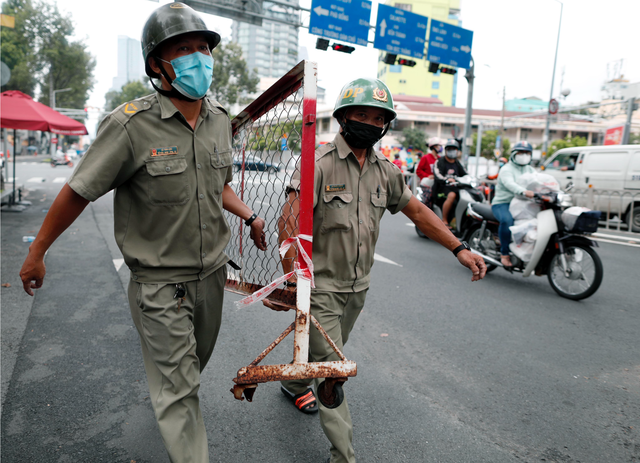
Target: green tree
x,y
566,143
414,138
488,146
634,138
43,55
129,91
231,78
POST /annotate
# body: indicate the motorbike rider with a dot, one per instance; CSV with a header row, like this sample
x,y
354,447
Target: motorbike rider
x,y
446,170
425,167
506,189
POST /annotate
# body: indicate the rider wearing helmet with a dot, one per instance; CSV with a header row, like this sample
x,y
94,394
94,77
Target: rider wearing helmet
x,y
354,185
506,189
447,169
425,167
168,217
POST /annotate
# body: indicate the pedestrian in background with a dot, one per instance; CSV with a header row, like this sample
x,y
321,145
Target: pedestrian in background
x,y
168,158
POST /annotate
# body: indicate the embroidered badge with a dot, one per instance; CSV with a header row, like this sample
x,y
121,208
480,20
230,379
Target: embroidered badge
x,y
334,188
164,151
380,95
131,108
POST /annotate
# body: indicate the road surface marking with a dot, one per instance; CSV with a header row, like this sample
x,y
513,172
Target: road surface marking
x,y
617,242
36,180
618,237
118,263
60,180
410,224
378,257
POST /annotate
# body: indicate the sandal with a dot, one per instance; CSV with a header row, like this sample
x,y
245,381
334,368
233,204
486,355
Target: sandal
x,y
305,401
506,258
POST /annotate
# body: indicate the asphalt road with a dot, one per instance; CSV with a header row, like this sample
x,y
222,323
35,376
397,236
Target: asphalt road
x,y
500,370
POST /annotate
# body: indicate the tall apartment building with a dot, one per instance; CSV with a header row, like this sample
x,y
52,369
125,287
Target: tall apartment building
x,y
417,80
130,64
271,49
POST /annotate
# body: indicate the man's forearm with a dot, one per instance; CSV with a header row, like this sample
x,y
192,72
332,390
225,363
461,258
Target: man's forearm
x,y
233,204
66,208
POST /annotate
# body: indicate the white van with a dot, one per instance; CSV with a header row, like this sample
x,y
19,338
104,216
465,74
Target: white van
x,y
603,168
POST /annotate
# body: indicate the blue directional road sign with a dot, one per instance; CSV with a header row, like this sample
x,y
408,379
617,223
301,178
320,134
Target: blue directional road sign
x,y
449,45
343,20
400,32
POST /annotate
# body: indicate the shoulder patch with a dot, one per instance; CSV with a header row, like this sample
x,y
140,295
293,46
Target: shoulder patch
x,y
324,149
126,111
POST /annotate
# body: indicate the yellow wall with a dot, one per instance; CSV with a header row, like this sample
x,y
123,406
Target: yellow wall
x,y
417,80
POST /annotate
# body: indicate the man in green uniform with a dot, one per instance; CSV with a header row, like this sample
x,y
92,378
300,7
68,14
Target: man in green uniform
x,y
354,185
168,158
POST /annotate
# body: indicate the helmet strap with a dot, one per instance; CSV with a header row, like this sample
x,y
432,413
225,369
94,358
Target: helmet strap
x,y
173,93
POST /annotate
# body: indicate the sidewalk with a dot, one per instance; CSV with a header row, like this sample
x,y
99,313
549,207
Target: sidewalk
x,y
73,383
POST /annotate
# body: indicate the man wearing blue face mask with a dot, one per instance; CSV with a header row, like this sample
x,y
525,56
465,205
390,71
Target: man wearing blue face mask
x,y
168,158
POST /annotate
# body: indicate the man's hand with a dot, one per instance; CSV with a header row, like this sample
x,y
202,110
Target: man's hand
x,y
529,194
473,262
257,233
32,273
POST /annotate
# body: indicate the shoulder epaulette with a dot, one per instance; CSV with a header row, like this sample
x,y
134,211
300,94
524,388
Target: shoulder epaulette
x,y
324,149
126,111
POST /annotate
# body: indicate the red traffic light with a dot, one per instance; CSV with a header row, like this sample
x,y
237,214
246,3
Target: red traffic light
x,y
448,70
406,62
342,48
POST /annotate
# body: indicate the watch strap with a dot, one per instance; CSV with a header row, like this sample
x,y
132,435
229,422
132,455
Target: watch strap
x,y
463,246
250,220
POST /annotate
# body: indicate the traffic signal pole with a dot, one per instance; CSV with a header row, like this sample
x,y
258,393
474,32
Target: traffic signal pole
x,y
469,75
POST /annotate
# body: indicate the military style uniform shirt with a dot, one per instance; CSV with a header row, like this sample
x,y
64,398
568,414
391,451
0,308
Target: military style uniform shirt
x,y
168,180
347,207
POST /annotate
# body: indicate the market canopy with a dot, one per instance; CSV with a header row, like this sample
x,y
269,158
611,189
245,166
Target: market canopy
x,y
19,111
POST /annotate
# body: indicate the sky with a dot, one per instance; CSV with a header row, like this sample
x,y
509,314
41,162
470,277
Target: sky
x,y
514,44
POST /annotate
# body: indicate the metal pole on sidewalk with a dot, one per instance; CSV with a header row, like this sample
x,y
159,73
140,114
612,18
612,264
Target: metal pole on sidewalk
x,y
545,140
469,75
478,148
627,125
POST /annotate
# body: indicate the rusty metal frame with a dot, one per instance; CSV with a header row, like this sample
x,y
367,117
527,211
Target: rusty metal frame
x,y
303,75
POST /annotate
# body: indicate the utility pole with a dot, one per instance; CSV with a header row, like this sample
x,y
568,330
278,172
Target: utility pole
x,y
545,139
627,125
504,90
469,75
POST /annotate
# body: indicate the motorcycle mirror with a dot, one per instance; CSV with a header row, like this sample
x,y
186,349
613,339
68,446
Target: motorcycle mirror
x,y
569,186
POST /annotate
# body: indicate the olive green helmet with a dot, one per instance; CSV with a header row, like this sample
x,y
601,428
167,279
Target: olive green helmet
x,y
169,21
365,92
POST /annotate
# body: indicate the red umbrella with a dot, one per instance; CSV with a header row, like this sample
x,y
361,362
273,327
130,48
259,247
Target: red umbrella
x,y
19,111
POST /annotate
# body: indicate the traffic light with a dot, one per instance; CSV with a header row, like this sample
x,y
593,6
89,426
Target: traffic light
x,y
390,59
322,44
448,71
342,48
406,62
433,67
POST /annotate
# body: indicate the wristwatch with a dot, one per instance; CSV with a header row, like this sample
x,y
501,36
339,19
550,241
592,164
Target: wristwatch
x,y
250,220
463,246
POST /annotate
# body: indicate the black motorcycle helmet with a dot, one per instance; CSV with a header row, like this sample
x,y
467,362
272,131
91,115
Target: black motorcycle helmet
x,y
169,21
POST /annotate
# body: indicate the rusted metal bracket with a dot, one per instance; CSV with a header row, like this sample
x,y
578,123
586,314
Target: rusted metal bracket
x,y
250,376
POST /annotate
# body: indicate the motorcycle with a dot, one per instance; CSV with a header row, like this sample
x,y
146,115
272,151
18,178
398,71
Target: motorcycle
x,y
467,194
61,160
566,256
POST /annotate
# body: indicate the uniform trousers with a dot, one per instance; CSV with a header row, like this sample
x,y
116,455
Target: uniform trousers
x,y
336,313
176,345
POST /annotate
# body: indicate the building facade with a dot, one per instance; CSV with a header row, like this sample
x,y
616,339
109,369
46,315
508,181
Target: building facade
x,y
130,64
417,80
272,49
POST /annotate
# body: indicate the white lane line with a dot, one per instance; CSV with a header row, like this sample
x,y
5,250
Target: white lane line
x,y
617,242
118,263
60,180
617,237
36,180
410,224
378,257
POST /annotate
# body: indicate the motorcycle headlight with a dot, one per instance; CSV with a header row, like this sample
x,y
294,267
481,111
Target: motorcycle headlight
x,y
565,200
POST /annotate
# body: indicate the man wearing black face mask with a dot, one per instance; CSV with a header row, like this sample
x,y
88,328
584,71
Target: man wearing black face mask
x,y
354,185
446,170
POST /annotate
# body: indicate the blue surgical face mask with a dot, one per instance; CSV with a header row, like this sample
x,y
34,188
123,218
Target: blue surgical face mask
x,y
193,74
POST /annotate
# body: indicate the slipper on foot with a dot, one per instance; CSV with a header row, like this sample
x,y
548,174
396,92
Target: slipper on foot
x,y
305,401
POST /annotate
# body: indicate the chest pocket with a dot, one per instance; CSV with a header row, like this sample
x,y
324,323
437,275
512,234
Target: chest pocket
x,y
220,161
335,212
167,182
378,206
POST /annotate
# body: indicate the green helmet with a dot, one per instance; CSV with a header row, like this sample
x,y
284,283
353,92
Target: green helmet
x,y
169,21
366,92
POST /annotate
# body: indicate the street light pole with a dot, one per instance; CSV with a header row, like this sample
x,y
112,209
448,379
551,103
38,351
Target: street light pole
x,y
545,141
469,75
52,102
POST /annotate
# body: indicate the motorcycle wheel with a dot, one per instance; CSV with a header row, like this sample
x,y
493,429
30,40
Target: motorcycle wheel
x,y
585,274
420,234
475,238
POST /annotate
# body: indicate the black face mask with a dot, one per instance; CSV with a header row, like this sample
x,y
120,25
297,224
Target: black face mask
x,y
360,135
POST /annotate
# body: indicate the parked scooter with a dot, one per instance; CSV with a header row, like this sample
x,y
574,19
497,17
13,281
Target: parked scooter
x,y
567,257
61,160
468,193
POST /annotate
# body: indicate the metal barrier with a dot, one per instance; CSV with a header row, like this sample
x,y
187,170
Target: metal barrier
x,y
618,207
